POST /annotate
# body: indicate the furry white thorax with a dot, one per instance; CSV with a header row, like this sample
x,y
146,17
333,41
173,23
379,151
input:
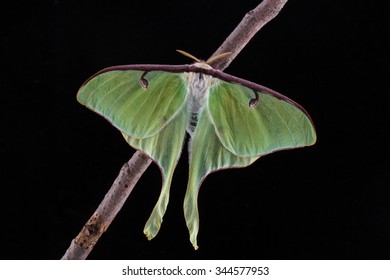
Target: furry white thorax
x,y
198,90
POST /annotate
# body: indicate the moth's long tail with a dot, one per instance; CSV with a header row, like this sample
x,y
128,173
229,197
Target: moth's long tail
x,y
153,224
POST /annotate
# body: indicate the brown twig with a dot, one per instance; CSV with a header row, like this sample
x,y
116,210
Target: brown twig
x,y
131,171
129,175
252,22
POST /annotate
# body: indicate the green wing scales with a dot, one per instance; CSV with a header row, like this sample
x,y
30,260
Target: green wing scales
x,y
119,97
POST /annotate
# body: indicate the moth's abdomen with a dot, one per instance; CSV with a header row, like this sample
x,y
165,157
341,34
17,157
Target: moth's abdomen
x,y
198,91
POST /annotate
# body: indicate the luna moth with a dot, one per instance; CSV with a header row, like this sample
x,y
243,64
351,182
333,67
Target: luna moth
x,y
231,122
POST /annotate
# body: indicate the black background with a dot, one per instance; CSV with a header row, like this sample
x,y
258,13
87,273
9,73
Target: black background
x,y
58,159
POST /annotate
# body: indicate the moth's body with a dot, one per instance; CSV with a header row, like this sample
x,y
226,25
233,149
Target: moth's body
x,y
198,91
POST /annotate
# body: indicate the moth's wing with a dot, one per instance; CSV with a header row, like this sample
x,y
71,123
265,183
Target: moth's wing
x,y
152,120
275,123
118,96
207,154
231,134
165,149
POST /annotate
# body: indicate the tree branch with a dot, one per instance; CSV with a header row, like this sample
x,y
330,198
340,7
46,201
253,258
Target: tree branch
x,y
252,22
129,175
131,171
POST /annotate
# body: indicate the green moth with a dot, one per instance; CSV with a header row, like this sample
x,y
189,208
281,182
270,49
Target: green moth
x,y
231,122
